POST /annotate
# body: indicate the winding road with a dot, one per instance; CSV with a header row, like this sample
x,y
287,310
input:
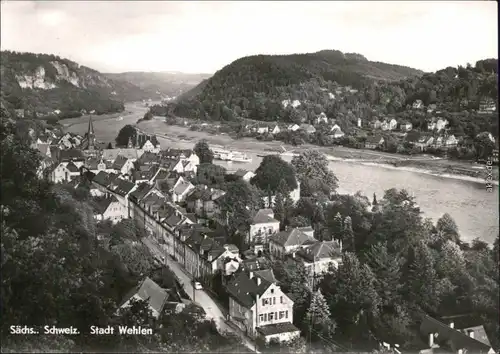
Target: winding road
x,y
200,297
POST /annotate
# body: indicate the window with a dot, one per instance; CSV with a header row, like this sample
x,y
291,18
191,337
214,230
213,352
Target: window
x,y
281,299
261,318
274,301
282,314
265,317
271,316
286,314
272,291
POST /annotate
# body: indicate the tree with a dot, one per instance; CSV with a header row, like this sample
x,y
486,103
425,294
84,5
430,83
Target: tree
x,y
202,150
318,317
314,174
348,235
271,171
238,204
148,116
126,134
447,228
298,221
283,204
352,297
337,227
136,257
110,146
211,175
374,202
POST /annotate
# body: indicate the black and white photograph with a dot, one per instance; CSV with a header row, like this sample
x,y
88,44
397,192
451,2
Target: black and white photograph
x,y
299,177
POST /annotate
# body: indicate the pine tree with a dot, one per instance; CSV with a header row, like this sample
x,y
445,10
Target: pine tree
x,y
318,311
374,202
282,203
348,235
337,226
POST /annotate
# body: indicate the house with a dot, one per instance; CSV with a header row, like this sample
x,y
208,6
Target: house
x,y
275,130
431,108
148,291
261,129
293,127
424,142
65,171
393,123
294,103
95,165
321,118
148,143
438,142
384,125
263,225
336,132
244,174
331,96
374,142
145,174
406,126
149,158
129,153
418,104
308,230
487,105
201,201
359,122
318,257
123,165
441,337
450,141
260,308
108,208
181,190
376,124
180,154
441,124
308,128
287,242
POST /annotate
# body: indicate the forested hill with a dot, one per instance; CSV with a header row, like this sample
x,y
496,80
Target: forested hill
x,y
341,85
161,84
263,81
44,83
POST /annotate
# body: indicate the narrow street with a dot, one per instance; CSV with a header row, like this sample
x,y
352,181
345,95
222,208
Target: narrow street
x,y
200,297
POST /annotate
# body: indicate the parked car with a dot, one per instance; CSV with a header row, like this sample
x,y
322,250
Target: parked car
x,y
197,285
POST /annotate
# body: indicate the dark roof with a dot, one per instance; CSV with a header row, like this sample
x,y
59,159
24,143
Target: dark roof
x,y
277,328
176,153
149,291
320,250
121,187
290,237
70,154
72,167
119,162
141,191
102,178
243,289
145,175
102,204
266,274
450,337
241,172
262,216
148,158
373,139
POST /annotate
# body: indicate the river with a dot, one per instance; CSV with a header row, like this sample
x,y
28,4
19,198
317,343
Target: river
x,y
474,209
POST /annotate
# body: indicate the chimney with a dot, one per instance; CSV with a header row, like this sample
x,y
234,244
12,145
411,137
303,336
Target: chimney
x,y
431,340
250,275
258,281
452,325
471,334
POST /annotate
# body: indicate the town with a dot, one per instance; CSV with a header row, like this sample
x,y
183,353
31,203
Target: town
x,y
176,197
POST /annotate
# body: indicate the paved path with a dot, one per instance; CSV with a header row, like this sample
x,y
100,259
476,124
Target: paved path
x,y
200,297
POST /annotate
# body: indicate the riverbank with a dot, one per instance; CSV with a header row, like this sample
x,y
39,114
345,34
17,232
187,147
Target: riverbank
x,y
420,164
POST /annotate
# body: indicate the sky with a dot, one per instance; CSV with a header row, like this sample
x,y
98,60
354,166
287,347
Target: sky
x,y
203,37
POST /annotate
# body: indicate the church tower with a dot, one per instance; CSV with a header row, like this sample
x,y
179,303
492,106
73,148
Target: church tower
x,y
90,135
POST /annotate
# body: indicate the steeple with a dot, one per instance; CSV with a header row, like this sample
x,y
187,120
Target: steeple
x,y
90,135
